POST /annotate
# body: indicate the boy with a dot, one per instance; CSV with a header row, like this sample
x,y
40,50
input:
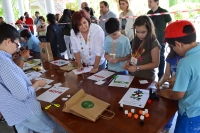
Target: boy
x,y
181,36
117,47
18,103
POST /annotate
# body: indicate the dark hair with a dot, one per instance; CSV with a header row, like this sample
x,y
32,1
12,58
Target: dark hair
x,y
41,17
21,18
76,18
8,32
171,54
91,12
37,12
67,13
25,13
105,3
25,33
87,9
150,37
1,17
51,18
189,38
112,25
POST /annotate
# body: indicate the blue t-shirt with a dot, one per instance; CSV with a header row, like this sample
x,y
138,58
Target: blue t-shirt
x,y
122,49
188,81
33,44
173,64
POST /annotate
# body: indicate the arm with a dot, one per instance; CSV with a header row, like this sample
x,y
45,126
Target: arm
x,y
121,59
129,23
78,60
44,27
24,55
39,83
170,94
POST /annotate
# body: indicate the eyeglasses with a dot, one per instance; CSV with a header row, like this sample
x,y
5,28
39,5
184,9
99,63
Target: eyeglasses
x,y
15,43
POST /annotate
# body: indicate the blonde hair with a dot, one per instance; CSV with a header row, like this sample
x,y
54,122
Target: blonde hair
x,y
127,2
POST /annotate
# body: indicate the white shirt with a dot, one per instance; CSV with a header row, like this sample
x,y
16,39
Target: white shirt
x,y
94,46
129,24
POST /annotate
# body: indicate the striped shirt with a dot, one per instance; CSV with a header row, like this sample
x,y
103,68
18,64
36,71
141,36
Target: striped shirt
x,y
17,96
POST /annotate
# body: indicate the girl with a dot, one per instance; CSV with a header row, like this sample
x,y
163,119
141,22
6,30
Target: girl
x,y
42,29
146,49
126,24
172,61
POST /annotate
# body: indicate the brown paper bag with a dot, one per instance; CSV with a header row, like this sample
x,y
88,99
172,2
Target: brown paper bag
x,y
45,52
87,106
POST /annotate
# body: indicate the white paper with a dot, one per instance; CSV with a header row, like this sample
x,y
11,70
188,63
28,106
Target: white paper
x,y
33,75
85,70
51,94
122,81
45,87
100,82
60,62
48,81
101,75
135,98
143,81
57,85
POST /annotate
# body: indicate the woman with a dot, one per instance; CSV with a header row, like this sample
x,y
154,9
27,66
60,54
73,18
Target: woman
x,y
55,36
23,19
87,42
42,29
57,17
126,24
91,14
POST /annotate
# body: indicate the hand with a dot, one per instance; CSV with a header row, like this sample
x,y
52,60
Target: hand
x,y
25,54
158,85
114,61
107,57
131,68
80,68
94,70
171,82
126,65
165,93
42,83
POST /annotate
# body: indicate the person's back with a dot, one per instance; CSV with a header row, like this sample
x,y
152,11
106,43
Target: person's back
x,y
65,21
33,43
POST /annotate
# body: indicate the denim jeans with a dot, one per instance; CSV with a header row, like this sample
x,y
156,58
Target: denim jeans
x,y
162,61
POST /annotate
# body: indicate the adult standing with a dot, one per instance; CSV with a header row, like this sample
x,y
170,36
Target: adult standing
x,y
87,42
55,36
84,4
29,22
36,20
126,24
160,23
105,14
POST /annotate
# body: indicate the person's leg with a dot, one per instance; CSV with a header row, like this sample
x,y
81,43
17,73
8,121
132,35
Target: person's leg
x,y
162,62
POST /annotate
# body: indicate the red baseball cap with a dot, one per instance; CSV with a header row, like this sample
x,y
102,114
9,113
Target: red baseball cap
x,y
19,22
175,29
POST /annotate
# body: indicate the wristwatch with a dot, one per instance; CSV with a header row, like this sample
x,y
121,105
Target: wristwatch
x,y
137,68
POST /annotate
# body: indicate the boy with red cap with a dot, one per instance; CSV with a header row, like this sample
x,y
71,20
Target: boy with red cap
x,y
181,36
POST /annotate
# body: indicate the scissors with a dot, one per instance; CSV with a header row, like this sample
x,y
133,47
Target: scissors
x,y
56,105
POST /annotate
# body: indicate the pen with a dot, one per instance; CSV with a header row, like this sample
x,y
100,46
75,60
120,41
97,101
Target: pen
x,y
110,80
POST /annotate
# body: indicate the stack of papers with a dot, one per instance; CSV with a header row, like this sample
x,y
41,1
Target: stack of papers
x,y
122,81
85,70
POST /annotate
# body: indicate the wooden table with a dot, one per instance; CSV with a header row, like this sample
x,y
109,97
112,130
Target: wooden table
x,y
160,111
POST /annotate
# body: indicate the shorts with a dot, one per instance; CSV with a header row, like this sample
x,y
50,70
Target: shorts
x,y
39,122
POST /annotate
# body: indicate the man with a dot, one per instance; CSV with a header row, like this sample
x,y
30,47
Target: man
x,y
18,103
84,4
160,25
36,21
1,20
105,14
181,36
29,22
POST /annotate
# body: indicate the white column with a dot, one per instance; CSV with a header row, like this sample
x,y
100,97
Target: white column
x,y
21,7
8,11
50,6
27,7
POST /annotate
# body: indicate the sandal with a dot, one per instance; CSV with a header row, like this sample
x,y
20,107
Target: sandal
x,y
2,119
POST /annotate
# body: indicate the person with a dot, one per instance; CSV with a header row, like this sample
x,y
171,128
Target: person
x,y
32,42
42,28
23,19
19,24
186,86
146,49
66,19
29,22
126,24
170,73
36,20
84,4
105,14
91,14
160,22
117,47
57,17
55,36
1,20
87,42
23,109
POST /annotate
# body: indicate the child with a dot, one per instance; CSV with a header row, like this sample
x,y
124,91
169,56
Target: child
x,y
117,47
171,65
181,36
18,103
146,49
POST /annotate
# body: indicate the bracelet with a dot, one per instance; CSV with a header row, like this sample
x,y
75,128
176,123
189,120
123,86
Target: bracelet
x,y
23,59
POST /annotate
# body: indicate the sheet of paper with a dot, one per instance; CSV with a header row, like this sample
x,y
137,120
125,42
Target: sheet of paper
x,y
45,87
51,94
143,81
122,81
60,62
101,75
57,85
33,75
85,70
48,81
100,82
135,97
